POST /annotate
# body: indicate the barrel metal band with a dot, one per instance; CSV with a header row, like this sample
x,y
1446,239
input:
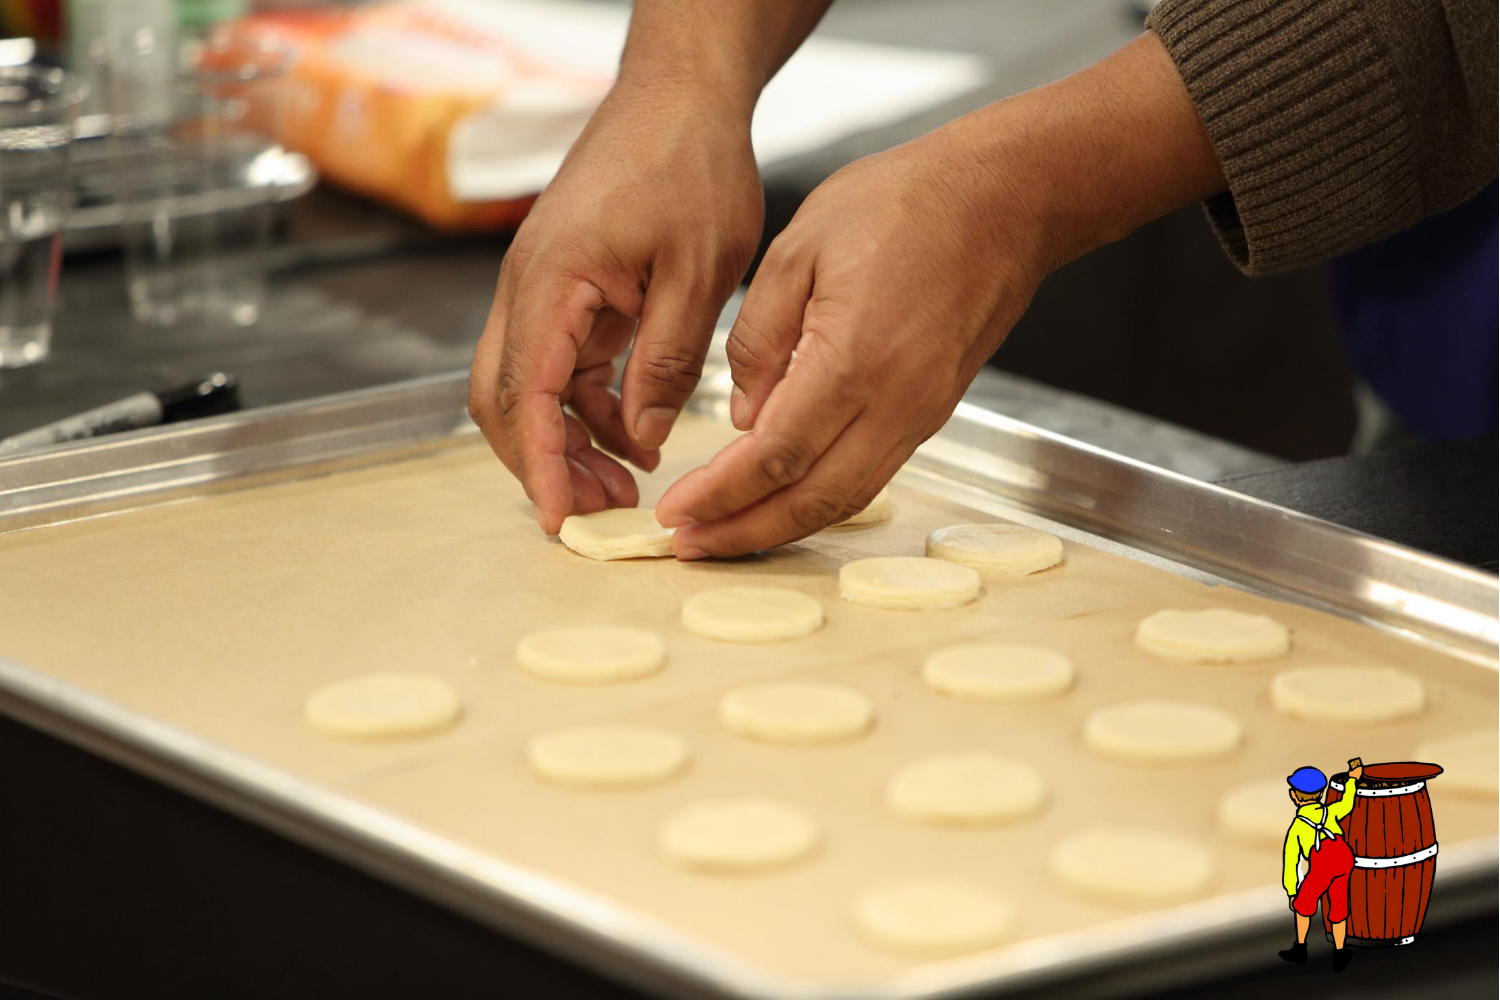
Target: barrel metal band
x,y
1376,793
1405,859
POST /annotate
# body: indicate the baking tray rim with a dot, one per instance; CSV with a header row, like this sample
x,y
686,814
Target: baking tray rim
x,y
560,917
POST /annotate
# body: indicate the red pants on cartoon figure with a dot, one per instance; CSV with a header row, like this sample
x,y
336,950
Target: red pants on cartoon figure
x,y
1328,868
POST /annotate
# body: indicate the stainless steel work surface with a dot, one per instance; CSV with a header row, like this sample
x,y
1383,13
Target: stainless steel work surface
x,y
172,596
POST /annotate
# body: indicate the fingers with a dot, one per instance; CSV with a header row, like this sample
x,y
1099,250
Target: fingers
x,y
810,505
484,378
599,408
764,335
542,333
667,359
808,411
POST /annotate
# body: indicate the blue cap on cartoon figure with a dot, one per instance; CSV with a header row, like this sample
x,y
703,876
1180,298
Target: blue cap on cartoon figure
x,y
1307,779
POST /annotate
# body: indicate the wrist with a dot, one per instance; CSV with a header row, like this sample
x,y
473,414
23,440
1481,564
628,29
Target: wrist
x,y
1096,155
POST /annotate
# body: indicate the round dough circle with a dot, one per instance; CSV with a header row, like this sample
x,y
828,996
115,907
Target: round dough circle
x,y
931,917
907,583
1132,863
998,671
621,533
1360,695
879,509
382,706
1258,811
1216,635
737,835
1161,732
751,614
967,789
1468,761
996,549
606,756
795,712
590,654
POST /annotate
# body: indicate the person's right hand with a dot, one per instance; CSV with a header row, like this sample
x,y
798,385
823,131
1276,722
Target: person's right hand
x,y
646,230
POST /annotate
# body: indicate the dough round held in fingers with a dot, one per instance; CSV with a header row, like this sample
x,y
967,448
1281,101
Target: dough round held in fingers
x,y
591,654
730,836
796,712
1217,635
383,706
1468,760
621,533
1132,864
931,917
751,614
1161,732
879,509
965,789
996,550
907,583
998,672
606,757
1348,695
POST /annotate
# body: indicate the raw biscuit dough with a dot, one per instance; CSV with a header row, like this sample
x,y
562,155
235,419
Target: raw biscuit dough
x,y
621,533
751,614
931,917
382,706
1161,732
1216,635
606,756
966,789
907,583
795,712
1359,695
590,654
1132,863
998,671
737,835
879,509
996,549
1468,761
1258,811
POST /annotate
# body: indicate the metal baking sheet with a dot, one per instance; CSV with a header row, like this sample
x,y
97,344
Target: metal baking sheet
x,y
1199,531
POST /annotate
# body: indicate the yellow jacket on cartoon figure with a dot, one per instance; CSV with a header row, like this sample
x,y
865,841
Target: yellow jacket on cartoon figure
x,y
1301,837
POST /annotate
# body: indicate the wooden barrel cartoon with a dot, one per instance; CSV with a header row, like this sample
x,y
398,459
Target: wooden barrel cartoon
x,y
1395,850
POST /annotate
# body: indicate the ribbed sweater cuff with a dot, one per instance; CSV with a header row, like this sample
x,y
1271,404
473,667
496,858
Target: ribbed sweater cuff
x,y
1304,111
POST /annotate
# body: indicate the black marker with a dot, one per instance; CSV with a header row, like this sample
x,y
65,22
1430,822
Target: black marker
x,y
215,393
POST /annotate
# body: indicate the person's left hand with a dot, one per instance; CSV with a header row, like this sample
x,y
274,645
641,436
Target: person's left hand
x,y
869,317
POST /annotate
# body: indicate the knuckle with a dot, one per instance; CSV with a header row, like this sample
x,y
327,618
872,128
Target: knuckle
x,y
509,394
784,462
677,371
814,508
747,347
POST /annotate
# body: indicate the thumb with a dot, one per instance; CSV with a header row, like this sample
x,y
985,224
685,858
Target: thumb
x,y
764,335
666,361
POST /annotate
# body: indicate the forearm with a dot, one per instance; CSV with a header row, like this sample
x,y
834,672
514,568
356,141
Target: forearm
x,y
1093,156
731,46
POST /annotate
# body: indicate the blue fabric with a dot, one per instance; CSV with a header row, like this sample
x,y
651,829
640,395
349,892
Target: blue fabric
x,y
1307,779
1418,314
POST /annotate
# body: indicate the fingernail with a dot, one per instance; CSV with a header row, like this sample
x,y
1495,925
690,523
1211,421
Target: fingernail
x,y
653,426
690,552
670,520
739,407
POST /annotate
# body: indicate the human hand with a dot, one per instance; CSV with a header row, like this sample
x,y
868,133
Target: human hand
x,y
646,230
899,276
902,273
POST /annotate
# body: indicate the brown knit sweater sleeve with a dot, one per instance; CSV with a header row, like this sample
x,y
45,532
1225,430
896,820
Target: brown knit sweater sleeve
x,y
1337,122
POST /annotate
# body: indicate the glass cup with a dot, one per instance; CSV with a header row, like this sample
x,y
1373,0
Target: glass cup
x,y
38,106
195,145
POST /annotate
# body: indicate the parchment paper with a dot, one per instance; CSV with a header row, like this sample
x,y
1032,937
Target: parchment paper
x,y
220,615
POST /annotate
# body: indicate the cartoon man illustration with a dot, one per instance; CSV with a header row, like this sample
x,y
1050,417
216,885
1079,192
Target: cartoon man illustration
x,y
1315,835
